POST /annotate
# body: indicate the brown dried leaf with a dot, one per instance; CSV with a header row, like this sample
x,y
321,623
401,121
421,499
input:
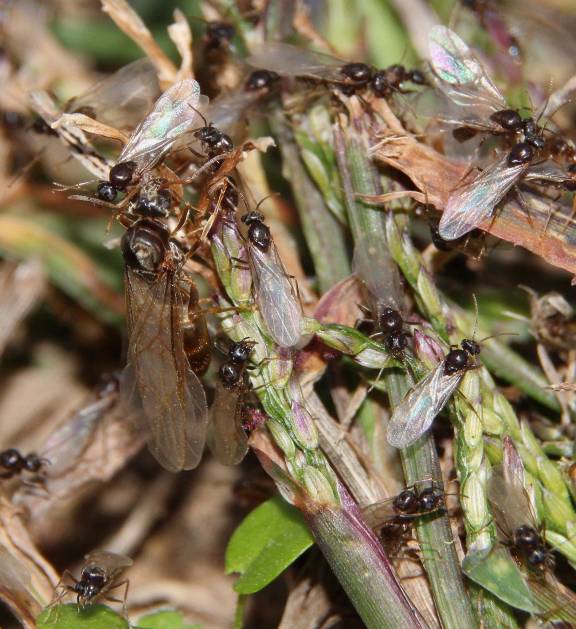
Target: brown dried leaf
x,y
130,23
90,446
340,303
29,569
72,136
548,230
21,288
309,605
181,35
89,125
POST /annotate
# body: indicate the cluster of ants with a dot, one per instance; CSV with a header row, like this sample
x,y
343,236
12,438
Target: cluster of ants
x,y
169,340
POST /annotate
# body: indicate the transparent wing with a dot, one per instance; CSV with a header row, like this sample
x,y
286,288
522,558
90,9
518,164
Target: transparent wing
x,y
67,443
376,268
416,412
278,304
474,202
509,502
173,114
123,98
461,76
547,172
378,513
173,398
227,439
226,111
290,60
111,563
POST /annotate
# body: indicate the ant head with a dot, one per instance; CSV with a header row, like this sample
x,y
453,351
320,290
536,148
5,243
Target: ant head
x,y
252,217
470,346
11,459
240,351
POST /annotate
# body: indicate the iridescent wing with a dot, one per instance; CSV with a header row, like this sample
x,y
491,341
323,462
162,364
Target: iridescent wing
x,y
471,204
123,98
175,411
461,76
227,439
173,115
509,502
416,412
275,295
288,60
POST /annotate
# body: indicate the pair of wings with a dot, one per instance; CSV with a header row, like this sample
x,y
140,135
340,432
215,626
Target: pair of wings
x,y
123,98
227,439
288,60
379,513
174,410
112,563
416,412
462,78
174,114
510,502
373,264
275,296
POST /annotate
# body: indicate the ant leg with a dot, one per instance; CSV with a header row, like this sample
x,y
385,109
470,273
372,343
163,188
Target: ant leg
x,y
295,286
183,220
113,599
37,486
63,587
219,309
375,383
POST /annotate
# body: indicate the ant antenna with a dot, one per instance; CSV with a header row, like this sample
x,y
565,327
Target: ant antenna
x,y
475,329
494,336
544,106
206,124
454,14
268,196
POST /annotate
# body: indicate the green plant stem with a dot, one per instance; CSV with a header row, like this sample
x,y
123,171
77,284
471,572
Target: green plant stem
x,y
473,469
420,461
299,467
240,611
366,576
323,233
